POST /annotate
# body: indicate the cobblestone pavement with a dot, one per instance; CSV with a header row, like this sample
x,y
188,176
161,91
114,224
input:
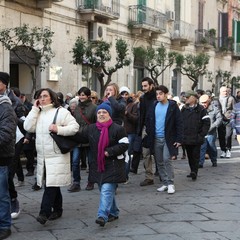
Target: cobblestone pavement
x,y
208,208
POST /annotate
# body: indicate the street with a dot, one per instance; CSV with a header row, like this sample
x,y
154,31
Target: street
x,y
208,208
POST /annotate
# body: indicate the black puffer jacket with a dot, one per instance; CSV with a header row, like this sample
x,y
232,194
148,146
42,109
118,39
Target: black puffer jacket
x,y
196,124
8,123
115,163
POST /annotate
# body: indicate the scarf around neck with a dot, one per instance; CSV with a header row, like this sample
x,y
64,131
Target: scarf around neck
x,y
102,143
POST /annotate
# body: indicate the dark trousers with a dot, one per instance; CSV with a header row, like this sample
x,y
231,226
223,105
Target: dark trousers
x,y
51,201
193,153
135,160
15,167
30,159
11,188
225,137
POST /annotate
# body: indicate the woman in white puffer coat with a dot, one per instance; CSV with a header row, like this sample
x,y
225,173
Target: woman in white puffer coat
x,y
53,167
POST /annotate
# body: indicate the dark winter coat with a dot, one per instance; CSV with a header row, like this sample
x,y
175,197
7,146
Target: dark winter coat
x,y
118,109
146,105
8,124
86,109
115,163
173,127
196,124
131,117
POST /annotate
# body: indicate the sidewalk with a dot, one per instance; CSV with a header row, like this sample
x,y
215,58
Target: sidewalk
x,y
208,208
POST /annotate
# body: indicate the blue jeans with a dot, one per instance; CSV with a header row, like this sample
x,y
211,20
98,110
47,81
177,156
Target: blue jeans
x,y
76,154
5,202
107,203
209,146
131,138
164,162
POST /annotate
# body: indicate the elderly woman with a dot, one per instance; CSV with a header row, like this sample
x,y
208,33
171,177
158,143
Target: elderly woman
x,y
108,141
52,165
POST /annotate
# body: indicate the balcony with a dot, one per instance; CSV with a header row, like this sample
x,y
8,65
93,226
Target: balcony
x,y
236,51
144,21
205,39
97,11
46,3
182,33
225,46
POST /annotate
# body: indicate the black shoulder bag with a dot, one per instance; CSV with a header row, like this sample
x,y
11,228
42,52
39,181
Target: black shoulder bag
x,y
65,143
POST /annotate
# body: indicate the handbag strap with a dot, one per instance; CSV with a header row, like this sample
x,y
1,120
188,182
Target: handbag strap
x,y
55,117
84,117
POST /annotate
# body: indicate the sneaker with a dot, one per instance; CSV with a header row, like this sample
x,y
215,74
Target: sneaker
x,y
162,188
100,221
223,154
29,174
74,188
55,215
125,183
90,186
193,175
5,233
228,154
112,218
42,218
146,182
19,184
35,187
15,210
171,189
214,164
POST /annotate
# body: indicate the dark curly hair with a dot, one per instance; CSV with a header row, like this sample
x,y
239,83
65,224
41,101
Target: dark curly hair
x,y
52,94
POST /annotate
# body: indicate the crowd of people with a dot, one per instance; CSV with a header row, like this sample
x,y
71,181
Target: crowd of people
x,y
113,134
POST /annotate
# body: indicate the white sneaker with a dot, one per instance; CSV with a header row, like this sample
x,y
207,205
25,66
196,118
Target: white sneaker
x,y
171,189
228,154
162,188
19,184
223,154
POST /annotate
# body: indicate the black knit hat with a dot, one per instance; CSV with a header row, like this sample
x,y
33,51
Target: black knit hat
x,y
5,78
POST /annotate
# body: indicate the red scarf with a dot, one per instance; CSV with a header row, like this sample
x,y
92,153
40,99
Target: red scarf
x,y
102,143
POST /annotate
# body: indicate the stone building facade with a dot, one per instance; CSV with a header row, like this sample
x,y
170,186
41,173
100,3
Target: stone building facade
x,y
186,26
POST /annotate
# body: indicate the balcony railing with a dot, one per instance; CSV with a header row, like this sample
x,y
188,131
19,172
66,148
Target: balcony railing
x,y
236,49
182,31
142,16
113,8
202,36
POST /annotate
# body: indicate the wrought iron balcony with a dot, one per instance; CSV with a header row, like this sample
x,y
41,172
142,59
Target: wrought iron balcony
x,y
182,33
146,21
205,38
94,10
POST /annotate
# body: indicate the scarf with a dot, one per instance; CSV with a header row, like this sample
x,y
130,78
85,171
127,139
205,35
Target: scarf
x,y
102,143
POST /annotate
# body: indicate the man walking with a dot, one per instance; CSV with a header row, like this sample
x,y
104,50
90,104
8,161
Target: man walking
x,y
225,130
7,148
209,144
166,137
19,111
146,103
196,124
